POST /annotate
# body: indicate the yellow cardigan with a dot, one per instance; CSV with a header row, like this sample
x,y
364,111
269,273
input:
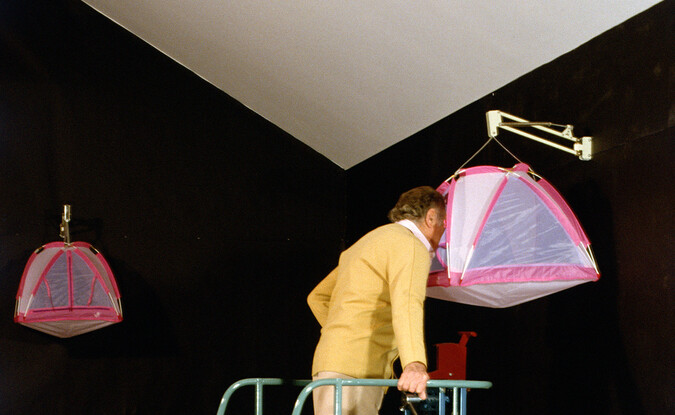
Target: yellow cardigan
x,y
371,307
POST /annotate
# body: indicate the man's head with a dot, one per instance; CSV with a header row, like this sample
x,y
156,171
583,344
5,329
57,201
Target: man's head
x,y
424,206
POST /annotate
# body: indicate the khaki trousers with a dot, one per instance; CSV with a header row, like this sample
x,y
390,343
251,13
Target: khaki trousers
x,y
356,400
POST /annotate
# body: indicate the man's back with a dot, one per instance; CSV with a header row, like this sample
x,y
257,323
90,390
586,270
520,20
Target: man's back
x,y
377,297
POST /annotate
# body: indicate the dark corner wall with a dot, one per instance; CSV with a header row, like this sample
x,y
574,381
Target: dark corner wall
x,y
599,348
216,223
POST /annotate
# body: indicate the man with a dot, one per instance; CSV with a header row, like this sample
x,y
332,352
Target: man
x,y
371,306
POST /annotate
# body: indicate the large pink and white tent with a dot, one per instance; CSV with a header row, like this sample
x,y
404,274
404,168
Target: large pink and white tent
x,y
510,238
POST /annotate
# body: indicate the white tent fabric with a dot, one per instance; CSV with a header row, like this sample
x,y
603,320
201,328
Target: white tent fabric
x,y
509,239
66,290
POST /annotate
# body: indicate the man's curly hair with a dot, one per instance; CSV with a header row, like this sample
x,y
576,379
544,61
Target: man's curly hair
x,y
415,203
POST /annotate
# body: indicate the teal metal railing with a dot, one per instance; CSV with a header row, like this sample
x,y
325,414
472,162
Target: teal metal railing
x,y
458,387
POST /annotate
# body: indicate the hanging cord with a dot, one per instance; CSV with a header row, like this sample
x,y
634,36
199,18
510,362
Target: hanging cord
x,y
530,171
507,150
481,149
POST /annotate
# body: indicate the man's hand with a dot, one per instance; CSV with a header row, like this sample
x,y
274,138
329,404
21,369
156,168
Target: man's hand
x,y
414,379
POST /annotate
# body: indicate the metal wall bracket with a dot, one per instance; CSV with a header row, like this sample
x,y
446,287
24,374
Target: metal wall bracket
x,y
581,148
65,221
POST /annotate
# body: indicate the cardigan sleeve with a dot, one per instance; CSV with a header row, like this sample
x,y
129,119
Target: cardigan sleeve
x,y
319,299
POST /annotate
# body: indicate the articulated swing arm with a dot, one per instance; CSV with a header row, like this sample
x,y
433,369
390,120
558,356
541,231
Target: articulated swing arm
x,y
582,146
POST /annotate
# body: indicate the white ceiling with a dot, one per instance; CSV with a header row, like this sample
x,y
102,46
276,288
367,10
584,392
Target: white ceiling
x,y
351,78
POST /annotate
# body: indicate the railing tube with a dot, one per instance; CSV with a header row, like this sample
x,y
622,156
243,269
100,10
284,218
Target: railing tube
x,y
258,382
459,388
456,386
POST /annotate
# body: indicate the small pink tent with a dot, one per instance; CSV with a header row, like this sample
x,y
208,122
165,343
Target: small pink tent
x,y
510,238
67,289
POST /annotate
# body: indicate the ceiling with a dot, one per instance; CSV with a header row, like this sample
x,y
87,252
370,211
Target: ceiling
x,y
351,78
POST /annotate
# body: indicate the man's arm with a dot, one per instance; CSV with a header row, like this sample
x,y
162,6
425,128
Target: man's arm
x,y
319,299
407,285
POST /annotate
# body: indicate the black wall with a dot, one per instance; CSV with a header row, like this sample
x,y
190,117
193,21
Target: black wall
x,y
599,348
216,223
